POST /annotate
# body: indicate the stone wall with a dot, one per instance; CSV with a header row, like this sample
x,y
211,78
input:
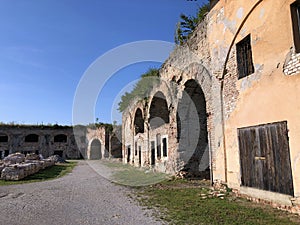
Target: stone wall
x,y
264,96
185,64
45,143
210,58
65,141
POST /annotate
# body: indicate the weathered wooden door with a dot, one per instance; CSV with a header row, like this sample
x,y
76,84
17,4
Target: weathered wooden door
x,y
265,157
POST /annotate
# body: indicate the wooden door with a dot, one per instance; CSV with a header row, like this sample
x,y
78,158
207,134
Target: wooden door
x,y
265,157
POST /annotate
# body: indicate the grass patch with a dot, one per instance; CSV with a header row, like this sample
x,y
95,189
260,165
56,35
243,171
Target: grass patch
x,y
50,173
180,203
128,175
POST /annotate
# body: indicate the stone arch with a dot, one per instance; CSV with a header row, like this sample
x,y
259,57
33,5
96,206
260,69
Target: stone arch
x,y
167,88
138,121
94,149
158,112
192,131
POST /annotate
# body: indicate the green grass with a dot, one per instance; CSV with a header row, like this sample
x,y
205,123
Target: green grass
x,y
128,175
50,173
182,203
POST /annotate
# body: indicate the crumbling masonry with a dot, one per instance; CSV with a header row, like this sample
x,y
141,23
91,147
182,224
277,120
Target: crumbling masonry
x,y
88,142
228,103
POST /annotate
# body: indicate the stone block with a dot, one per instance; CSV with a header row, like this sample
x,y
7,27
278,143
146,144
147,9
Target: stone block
x,y
12,173
14,158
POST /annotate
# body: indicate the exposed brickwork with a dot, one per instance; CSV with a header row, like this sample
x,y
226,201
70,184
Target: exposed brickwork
x,y
292,64
184,64
209,58
230,93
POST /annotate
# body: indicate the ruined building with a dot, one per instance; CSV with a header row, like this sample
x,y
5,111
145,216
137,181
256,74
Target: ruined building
x,y
228,103
88,142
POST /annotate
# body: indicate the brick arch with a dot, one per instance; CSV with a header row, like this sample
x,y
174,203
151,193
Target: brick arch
x,y
192,132
167,88
196,87
201,74
158,111
138,121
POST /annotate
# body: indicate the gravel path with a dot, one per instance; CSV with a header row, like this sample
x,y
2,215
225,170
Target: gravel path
x,y
82,197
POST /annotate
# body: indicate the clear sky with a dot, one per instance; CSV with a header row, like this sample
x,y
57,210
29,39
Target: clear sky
x,y
47,45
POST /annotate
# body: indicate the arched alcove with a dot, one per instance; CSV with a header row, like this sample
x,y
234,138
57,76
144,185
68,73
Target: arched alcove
x,y
159,113
138,121
192,128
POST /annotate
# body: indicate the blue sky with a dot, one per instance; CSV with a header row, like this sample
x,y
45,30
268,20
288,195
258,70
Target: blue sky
x,y
47,45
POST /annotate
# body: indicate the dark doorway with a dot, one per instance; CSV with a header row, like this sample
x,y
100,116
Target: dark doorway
x,y
192,130
138,122
140,155
3,138
135,152
159,112
152,152
165,147
128,153
95,150
265,158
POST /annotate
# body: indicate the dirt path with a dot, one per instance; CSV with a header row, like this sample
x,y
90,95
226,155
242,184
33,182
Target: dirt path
x,y
82,197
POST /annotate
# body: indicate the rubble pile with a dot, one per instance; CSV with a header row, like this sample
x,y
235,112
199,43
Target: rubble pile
x,y
16,166
57,159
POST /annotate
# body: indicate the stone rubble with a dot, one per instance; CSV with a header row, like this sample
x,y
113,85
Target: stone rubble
x,y
16,166
57,159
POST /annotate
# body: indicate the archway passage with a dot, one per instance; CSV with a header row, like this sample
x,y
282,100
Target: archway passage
x,y
159,113
95,150
192,130
138,121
